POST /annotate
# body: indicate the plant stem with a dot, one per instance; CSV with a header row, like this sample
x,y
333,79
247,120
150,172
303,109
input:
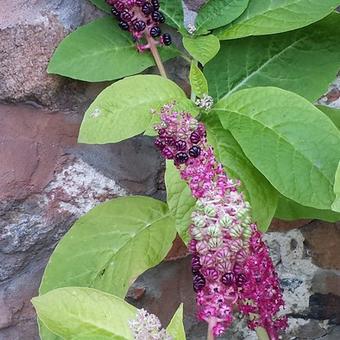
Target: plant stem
x,y
262,333
210,335
154,51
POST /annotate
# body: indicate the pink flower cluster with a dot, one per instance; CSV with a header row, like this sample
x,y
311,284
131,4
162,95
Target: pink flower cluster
x,y
230,263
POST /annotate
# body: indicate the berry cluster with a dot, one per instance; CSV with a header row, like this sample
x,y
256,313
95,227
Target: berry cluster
x,y
142,18
230,263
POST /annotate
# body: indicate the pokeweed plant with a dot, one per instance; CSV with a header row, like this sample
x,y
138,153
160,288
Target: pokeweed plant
x,y
248,145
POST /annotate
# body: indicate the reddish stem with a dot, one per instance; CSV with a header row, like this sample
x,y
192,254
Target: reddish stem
x,y
154,51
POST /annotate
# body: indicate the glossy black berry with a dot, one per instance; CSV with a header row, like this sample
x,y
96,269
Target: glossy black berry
x,y
155,31
169,141
195,151
195,137
198,282
241,279
155,4
125,15
166,38
124,25
181,145
228,278
181,157
161,132
147,8
115,12
139,25
195,263
159,144
158,16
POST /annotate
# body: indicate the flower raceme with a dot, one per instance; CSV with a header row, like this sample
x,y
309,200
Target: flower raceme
x,y
148,327
230,263
142,18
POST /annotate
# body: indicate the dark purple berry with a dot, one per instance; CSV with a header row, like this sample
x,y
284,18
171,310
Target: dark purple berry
x,y
139,25
195,151
181,157
241,279
181,145
169,141
195,137
124,25
125,15
155,31
158,16
119,5
155,4
195,263
167,153
147,8
166,38
159,144
161,132
228,278
115,12
198,282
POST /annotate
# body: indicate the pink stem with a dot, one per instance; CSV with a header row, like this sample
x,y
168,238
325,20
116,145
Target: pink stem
x,y
154,51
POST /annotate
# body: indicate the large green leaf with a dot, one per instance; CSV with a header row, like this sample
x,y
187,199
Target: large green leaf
x,y
304,61
332,114
85,314
123,109
202,48
101,51
175,327
198,83
336,203
180,201
275,16
101,4
111,246
290,211
293,144
259,192
217,13
173,11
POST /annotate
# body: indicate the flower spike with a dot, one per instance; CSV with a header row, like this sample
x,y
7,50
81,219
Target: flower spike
x,y
230,263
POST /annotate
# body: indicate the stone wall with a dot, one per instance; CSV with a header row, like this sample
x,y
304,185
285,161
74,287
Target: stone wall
x,y
47,181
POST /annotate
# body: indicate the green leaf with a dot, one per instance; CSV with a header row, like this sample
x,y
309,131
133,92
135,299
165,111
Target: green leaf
x,y
111,246
180,201
101,4
123,109
175,327
332,114
258,191
202,48
303,61
173,11
85,314
336,203
217,13
288,139
101,51
198,82
290,211
272,16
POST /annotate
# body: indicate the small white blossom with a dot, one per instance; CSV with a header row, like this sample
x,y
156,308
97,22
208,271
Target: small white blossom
x,y
147,327
191,29
205,103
